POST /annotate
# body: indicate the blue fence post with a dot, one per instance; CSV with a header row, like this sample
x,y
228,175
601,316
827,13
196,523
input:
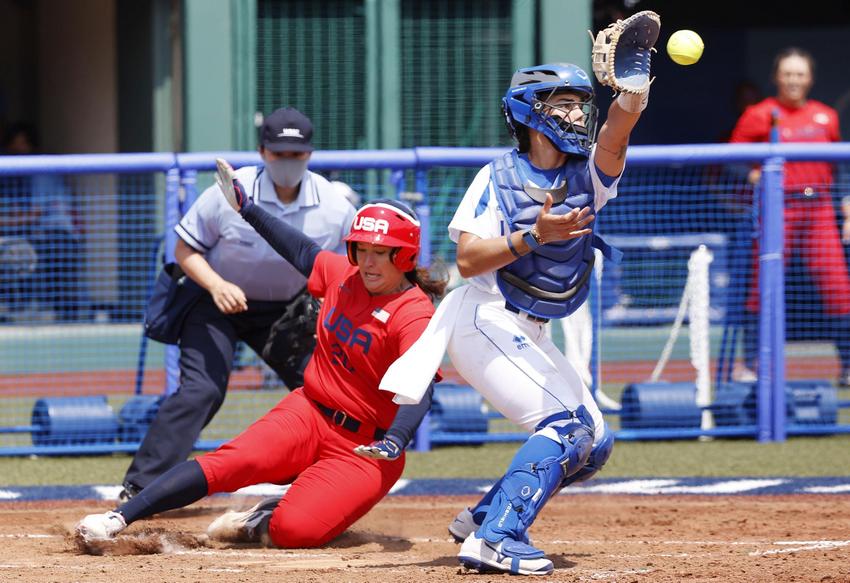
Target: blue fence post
x,y
771,373
423,211
184,195
189,183
172,217
595,300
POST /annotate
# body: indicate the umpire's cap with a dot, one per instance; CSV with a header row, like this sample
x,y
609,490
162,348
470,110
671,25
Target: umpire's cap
x,y
287,130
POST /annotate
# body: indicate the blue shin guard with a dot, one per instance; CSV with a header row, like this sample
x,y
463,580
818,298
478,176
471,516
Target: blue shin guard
x,y
558,449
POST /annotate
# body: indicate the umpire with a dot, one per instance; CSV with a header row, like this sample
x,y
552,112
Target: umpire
x,y
249,287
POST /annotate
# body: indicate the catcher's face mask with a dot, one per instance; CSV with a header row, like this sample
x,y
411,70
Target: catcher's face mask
x,y
569,115
557,101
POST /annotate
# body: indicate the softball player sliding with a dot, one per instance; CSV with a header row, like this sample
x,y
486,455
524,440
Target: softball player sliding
x,y
329,434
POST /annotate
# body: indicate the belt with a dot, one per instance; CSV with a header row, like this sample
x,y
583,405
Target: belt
x,y
525,315
344,420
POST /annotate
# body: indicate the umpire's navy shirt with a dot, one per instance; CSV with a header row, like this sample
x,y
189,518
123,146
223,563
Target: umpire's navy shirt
x,y
239,255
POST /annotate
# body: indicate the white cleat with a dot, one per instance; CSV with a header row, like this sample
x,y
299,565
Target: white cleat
x,y
250,526
101,526
507,556
463,525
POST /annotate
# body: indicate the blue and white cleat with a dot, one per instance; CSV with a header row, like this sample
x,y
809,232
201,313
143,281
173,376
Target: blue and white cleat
x,y
508,556
464,525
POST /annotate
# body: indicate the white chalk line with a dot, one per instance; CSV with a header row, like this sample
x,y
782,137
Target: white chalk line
x,y
802,546
839,489
620,573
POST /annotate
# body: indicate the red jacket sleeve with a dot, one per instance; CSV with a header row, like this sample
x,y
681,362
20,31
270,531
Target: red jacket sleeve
x,y
327,267
752,126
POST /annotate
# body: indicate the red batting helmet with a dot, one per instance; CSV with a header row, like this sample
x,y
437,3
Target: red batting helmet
x,y
389,223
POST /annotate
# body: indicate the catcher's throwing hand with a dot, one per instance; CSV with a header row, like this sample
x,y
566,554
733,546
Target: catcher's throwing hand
x,y
230,186
229,298
385,449
621,52
551,227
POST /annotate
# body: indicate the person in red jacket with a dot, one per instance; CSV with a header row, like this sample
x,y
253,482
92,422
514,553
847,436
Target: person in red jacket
x,y
811,232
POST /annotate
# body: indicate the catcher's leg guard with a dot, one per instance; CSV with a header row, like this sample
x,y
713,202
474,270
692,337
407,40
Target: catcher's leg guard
x,y
558,449
599,454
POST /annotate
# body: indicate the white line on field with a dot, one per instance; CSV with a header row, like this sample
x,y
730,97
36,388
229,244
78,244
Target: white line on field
x,y
610,574
265,490
673,487
658,542
401,484
108,492
828,489
802,546
29,536
270,553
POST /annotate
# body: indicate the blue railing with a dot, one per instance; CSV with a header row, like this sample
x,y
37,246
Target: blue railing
x,y
428,171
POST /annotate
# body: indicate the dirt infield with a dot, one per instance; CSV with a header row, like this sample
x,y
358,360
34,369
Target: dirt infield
x,y
588,537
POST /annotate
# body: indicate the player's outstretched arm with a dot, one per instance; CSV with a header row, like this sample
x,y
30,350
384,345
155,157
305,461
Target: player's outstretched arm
x,y
621,57
401,432
613,140
290,243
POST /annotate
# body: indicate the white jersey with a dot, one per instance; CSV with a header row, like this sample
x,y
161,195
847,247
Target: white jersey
x,y
480,215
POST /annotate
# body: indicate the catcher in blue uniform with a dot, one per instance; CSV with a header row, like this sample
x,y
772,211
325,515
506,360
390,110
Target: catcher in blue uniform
x,y
524,234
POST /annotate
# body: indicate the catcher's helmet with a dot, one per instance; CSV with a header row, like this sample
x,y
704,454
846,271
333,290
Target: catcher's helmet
x,y
526,103
389,223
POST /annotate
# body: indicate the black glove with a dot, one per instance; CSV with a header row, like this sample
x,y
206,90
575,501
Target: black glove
x,y
292,339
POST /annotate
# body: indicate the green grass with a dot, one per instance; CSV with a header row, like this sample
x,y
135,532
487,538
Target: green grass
x,y
799,456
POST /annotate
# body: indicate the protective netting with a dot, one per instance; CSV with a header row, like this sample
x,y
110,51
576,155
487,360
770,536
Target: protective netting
x,y
75,278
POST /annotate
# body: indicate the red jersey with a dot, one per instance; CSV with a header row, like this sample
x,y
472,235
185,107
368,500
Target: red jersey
x,y
358,337
814,122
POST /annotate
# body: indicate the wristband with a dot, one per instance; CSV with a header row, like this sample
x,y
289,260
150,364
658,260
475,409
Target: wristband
x,y
532,239
511,247
633,102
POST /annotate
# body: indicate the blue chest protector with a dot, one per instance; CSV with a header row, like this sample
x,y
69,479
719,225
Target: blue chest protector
x,y
554,280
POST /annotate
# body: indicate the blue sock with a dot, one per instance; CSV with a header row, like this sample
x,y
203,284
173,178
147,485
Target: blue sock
x,y
178,487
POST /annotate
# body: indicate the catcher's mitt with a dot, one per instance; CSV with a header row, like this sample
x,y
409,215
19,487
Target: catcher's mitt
x,y
621,52
292,339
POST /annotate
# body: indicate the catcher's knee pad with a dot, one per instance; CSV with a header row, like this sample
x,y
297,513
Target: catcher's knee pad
x,y
573,430
556,450
599,454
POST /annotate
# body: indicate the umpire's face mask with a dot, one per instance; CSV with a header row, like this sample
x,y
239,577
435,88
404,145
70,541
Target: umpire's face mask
x,y
287,172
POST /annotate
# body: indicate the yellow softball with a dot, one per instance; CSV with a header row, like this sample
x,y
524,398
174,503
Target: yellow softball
x,y
685,47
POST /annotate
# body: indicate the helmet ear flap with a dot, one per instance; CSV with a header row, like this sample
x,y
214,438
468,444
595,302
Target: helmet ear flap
x,y
404,259
351,251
